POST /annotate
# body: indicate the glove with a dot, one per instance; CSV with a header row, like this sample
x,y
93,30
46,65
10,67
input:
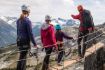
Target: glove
x,y
72,16
33,51
90,29
35,46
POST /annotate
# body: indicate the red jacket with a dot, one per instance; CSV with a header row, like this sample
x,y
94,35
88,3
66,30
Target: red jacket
x,y
79,17
48,35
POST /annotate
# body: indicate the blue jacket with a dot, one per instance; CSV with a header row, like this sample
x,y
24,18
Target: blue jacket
x,y
24,31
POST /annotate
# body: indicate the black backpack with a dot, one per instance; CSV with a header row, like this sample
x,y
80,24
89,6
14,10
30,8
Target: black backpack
x,y
87,20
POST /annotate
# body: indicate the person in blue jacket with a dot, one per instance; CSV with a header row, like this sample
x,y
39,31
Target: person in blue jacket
x,y
24,36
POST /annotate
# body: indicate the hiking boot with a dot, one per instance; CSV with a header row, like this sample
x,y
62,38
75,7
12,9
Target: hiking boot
x,y
49,68
79,58
59,64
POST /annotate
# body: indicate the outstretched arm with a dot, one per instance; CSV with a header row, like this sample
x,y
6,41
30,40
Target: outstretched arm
x,y
66,36
29,28
75,16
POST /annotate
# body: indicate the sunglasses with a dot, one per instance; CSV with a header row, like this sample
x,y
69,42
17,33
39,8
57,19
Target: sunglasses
x,y
48,20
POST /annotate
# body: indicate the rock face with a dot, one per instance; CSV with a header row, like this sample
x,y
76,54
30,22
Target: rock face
x,y
95,61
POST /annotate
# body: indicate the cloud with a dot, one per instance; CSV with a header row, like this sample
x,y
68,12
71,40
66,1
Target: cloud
x,y
71,2
56,8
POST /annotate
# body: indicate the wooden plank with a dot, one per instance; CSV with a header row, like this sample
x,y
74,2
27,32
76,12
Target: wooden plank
x,y
71,62
66,63
94,48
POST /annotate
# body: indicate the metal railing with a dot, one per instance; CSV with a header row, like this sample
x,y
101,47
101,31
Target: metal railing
x,y
29,58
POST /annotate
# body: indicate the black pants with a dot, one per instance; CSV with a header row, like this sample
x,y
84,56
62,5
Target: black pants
x,y
21,65
60,54
47,57
82,36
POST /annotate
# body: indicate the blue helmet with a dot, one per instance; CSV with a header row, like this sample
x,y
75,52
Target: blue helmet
x,y
58,27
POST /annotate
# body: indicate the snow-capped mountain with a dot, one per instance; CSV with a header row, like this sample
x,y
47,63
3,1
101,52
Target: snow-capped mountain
x,y
10,20
36,28
64,22
7,34
8,28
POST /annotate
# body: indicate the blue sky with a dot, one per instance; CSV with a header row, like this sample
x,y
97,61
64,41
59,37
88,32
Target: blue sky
x,y
56,8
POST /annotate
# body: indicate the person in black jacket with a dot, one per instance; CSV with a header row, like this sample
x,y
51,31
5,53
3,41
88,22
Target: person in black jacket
x,y
24,36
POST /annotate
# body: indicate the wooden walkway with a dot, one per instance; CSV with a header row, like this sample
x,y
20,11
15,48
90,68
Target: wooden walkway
x,y
71,62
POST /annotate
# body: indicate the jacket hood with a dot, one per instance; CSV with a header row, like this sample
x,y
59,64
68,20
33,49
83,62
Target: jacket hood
x,y
45,26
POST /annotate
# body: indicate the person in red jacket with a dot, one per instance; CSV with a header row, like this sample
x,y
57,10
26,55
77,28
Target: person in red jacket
x,y
84,28
48,40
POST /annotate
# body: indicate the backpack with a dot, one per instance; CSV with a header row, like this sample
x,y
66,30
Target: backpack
x,y
87,20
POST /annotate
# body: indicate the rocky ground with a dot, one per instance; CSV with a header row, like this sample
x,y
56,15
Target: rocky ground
x,y
8,61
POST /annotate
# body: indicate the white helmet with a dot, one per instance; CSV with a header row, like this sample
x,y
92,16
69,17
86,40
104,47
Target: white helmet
x,y
25,8
47,17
